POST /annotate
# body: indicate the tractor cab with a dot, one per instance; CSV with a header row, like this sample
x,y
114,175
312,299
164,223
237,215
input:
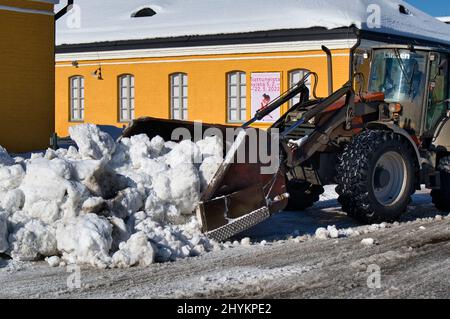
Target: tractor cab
x,y
415,85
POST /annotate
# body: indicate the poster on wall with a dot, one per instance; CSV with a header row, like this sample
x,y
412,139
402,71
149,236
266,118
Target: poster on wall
x,y
266,87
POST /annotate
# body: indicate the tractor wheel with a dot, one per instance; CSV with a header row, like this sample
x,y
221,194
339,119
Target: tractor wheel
x,y
376,176
441,198
302,195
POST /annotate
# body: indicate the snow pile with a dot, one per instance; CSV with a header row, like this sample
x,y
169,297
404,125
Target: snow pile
x,y
106,204
111,20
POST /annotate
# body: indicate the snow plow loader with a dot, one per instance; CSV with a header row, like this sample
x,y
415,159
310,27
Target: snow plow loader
x,y
379,138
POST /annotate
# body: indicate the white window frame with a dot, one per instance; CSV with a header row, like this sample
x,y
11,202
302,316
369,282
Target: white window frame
x,y
239,107
179,96
127,102
292,81
77,98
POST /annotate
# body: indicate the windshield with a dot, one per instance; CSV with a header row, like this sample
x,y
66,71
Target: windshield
x,y
399,74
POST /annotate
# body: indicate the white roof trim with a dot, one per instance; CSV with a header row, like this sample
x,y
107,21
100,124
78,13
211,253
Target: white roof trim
x,y
294,46
206,59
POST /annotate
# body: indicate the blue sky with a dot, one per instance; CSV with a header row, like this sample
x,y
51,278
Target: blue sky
x,y
433,7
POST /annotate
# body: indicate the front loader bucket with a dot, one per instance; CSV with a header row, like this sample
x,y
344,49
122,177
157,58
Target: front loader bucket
x,y
245,191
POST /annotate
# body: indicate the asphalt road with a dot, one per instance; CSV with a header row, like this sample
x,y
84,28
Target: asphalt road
x,y
408,260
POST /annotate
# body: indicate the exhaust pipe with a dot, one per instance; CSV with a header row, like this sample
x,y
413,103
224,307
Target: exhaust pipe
x,y
330,69
64,10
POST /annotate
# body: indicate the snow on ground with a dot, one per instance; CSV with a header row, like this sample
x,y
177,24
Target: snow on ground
x,y
110,20
327,221
106,204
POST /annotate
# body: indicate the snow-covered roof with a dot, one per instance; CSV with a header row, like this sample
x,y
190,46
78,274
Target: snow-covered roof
x,y
111,20
444,19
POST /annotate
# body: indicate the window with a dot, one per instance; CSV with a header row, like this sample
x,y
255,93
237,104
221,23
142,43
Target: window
x,y
77,99
404,10
179,96
294,77
126,98
237,97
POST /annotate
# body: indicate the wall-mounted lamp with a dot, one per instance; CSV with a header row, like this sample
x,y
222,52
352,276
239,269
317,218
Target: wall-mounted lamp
x,y
98,73
75,64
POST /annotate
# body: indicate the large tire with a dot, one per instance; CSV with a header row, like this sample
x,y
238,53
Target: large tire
x,y
302,195
441,198
376,176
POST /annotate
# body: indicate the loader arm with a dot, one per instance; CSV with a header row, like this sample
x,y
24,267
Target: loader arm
x,y
241,194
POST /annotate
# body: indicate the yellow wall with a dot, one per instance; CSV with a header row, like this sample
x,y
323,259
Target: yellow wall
x,y
27,4
207,83
27,72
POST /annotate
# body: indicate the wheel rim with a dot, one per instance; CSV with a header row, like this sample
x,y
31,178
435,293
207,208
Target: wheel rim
x,y
389,178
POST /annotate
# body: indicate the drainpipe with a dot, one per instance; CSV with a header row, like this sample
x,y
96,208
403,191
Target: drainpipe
x,y
58,15
64,10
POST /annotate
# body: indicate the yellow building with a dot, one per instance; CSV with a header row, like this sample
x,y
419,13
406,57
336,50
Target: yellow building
x,y
116,62
27,32
153,85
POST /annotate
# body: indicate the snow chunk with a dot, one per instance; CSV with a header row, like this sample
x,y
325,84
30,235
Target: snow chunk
x,y
157,145
92,142
184,153
120,232
136,251
5,159
99,179
174,242
93,205
322,233
211,146
33,241
50,193
333,232
368,242
10,177
141,148
180,187
12,201
86,239
127,202
326,233
208,170
53,261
